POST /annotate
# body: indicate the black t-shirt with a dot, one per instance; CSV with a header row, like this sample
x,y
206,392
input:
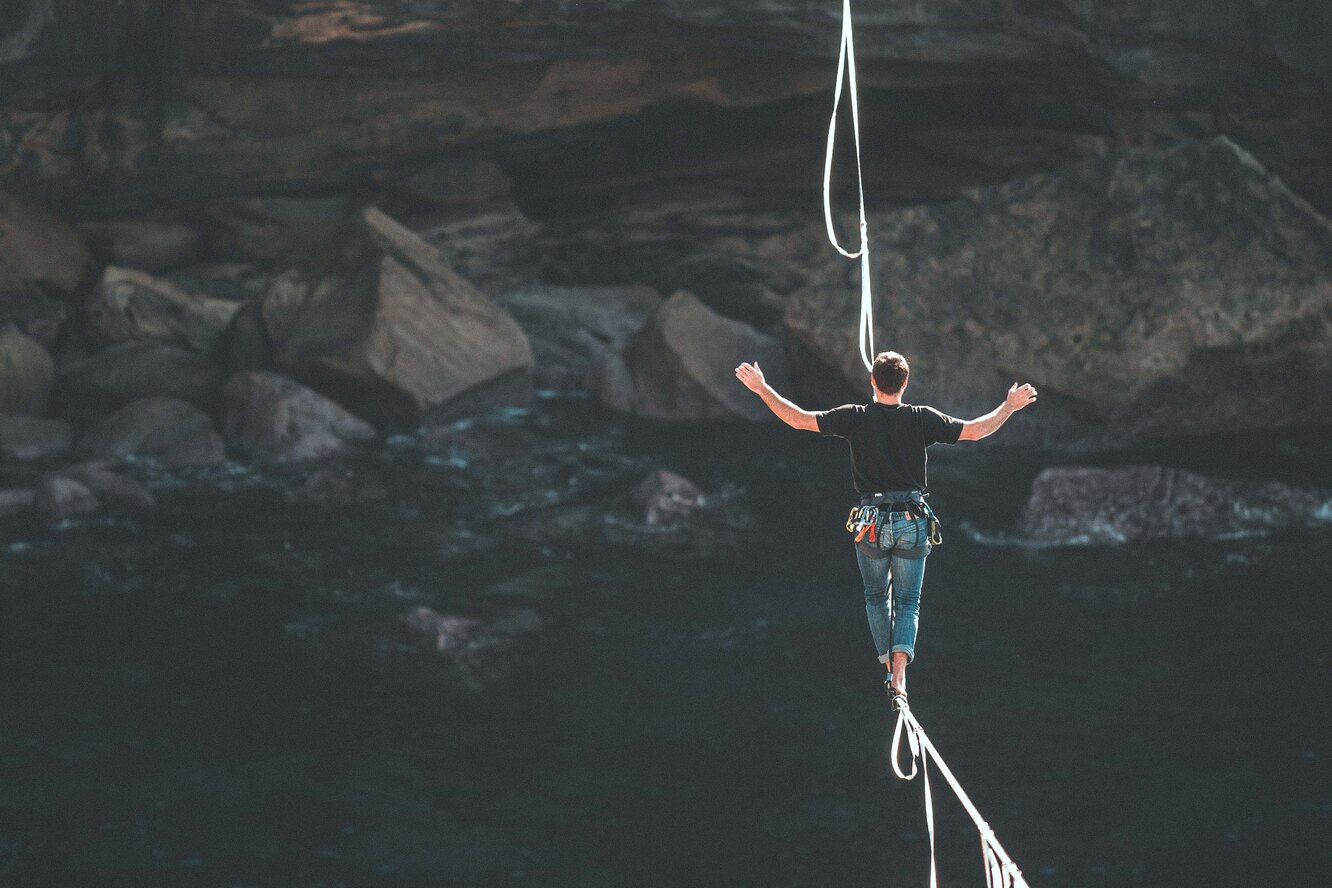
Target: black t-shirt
x,y
888,441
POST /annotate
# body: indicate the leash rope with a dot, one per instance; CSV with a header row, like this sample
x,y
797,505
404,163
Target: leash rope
x,y
846,70
1000,870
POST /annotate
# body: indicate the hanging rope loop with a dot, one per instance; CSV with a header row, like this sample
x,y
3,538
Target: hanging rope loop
x,y
846,70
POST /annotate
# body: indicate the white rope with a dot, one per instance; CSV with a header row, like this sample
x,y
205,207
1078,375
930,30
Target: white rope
x,y
846,69
1000,870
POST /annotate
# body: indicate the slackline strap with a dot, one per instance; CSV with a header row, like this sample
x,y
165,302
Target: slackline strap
x,y
846,70
1000,870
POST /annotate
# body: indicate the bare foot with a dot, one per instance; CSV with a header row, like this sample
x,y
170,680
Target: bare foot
x,y
899,672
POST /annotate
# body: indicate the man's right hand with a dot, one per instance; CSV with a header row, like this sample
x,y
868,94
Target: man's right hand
x,y
752,376
1020,396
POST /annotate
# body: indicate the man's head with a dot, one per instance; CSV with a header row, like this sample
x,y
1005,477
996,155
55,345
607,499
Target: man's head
x,y
890,373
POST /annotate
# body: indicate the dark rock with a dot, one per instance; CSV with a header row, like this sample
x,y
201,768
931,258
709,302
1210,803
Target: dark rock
x,y
234,281
23,304
145,243
271,417
1071,505
333,486
26,373
1154,293
38,247
247,343
465,183
666,497
127,371
171,430
30,437
574,329
60,497
15,502
111,487
399,338
682,366
134,305
273,228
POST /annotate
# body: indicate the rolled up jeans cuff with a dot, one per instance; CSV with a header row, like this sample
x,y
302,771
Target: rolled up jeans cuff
x,y
885,658
910,652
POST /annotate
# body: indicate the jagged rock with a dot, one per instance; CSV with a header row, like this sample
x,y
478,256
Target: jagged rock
x,y
271,417
60,497
273,228
666,497
1090,505
31,437
15,502
173,431
398,338
110,486
494,248
484,654
573,329
26,373
126,371
234,281
40,248
146,244
682,366
1153,293
132,305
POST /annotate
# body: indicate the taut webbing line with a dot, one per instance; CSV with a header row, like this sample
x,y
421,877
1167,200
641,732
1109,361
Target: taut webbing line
x,y
846,70
1000,870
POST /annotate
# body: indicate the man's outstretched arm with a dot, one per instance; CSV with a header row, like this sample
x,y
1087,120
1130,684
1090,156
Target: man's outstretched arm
x,y
752,376
1018,397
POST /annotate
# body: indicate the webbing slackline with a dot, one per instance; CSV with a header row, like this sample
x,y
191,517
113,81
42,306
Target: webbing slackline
x,y
1000,870
846,70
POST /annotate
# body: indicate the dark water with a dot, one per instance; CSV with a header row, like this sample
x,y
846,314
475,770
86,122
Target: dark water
x,y
202,696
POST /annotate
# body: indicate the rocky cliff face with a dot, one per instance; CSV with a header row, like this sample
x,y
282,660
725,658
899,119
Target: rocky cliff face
x,y
144,100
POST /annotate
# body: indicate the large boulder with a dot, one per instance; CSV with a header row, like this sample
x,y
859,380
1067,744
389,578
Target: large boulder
x,y
131,305
126,371
147,243
31,437
682,366
173,431
271,417
1074,504
39,247
397,337
1152,293
26,373
574,329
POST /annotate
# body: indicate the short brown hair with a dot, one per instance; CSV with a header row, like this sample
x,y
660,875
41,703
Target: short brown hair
x,y
890,372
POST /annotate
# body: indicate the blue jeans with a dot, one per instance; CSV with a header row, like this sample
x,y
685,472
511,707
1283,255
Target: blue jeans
x,y
904,541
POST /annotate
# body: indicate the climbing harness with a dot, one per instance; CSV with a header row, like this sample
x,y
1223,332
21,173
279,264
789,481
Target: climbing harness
x,y
846,69
866,520
1000,870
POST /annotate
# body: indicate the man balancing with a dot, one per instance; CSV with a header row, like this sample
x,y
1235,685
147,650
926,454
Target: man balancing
x,y
895,527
